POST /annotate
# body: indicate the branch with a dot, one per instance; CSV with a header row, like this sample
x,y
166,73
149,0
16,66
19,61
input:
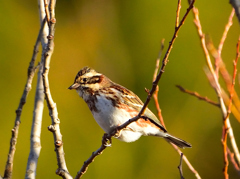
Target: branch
x,y
224,144
231,155
215,83
155,95
165,59
154,86
180,166
187,162
218,58
55,127
35,141
174,146
162,122
99,151
234,110
178,13
195,94
224,36
225,127
219,65
31,71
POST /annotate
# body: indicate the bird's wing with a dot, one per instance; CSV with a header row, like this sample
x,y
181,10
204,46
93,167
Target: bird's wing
x,y
132,100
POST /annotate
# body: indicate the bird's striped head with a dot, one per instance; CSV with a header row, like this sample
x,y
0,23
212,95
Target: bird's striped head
x,y
88,78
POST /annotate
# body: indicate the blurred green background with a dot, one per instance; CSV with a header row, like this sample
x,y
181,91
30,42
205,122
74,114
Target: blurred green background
x,y
120,39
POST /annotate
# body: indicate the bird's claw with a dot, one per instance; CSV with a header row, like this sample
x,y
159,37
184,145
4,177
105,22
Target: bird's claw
x,y
106,140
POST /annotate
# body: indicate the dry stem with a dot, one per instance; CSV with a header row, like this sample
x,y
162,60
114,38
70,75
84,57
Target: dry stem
x,y
174,146
216,84
178,13
35,141
55,127
187,162
180,166
93,156
224,36
231,155
31,71
225,127
197,96
155,95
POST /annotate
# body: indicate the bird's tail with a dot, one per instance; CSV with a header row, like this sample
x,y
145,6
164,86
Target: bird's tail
x,y
178,142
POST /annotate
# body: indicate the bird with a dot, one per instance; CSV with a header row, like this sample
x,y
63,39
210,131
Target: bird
x,y
112,105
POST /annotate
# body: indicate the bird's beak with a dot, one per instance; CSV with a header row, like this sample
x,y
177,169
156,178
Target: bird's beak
x,y
74,86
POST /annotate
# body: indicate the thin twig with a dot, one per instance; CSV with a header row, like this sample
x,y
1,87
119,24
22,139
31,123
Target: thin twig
x,y
225,127
179,151
180,166
187,162
54,127
234,110
99,151
224,143
218,59
231,155
215,83
165,59
178,13
220,64
228,81
224,36
195,94
154,86
155,95
31,71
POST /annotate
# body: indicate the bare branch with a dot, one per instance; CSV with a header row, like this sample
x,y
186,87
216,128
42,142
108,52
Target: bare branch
x,y
174,146
197,96
55,127
225,127
165,59
224,143
234,110
231,155
31,71
178,13
155,95
99,151
35,141
187,162
216,84
180,166
224,36
219,65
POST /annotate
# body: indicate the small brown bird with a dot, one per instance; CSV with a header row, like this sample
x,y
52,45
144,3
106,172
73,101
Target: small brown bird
x,y
113,105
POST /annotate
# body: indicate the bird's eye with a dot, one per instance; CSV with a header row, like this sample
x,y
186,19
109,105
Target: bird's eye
x,y
84,80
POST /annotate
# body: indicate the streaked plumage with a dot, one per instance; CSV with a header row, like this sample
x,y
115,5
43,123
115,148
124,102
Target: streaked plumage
x,y
112,104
